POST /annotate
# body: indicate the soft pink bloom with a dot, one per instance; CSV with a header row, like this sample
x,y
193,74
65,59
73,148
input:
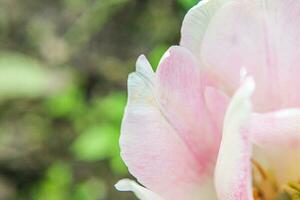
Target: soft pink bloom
x,y
193,129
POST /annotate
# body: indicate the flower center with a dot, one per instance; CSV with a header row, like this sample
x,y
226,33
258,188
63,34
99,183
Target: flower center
x,y
266,187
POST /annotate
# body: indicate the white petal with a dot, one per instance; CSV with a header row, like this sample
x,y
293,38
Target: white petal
x,y
196,22
233,169
142,193
277,139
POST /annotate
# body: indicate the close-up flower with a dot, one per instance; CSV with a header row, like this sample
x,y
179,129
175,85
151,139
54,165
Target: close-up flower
x,y
220,117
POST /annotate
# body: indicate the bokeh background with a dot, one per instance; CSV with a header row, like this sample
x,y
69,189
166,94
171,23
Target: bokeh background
x,y
63,71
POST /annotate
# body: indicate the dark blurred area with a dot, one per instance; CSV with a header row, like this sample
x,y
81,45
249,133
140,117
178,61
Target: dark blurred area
x,y
63,71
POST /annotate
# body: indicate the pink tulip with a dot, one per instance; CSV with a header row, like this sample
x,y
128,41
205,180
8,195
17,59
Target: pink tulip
x,y
196,129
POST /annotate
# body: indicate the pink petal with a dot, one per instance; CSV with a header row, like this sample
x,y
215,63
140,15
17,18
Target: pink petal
x,y
233,169
168,139
217,103
262,36
277,140
276,128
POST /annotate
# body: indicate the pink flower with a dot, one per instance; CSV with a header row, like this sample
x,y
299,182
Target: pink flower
x,y
197,129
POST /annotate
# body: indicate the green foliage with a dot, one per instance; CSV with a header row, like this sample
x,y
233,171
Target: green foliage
x,y
91,189
187,4
95,143
63,71
117,164
77,4
100,127
22,76
67,103
112,107
56,184
156,54
97,13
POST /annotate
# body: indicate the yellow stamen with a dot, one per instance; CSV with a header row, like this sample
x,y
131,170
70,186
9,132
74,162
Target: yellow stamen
x,y
265,186
293,190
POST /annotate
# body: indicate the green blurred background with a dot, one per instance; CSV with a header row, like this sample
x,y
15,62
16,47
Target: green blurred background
x,y
63,71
